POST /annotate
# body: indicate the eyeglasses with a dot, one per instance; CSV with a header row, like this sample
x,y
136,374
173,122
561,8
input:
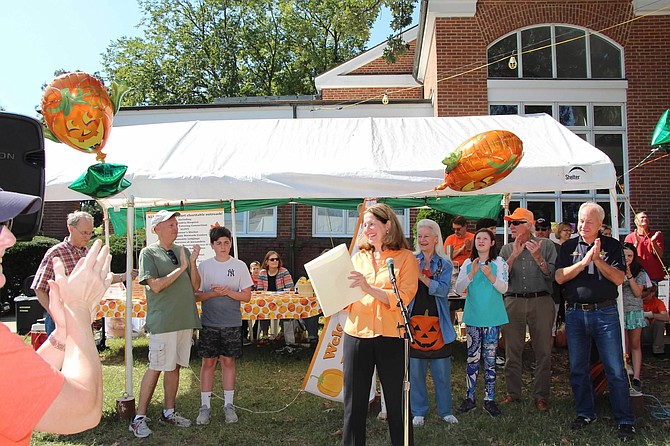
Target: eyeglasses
x,y
274,259
456,229
172,256
7,224
542,229
518,222
84,233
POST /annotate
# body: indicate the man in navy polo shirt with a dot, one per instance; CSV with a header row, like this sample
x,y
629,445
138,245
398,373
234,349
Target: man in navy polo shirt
x,y
591,267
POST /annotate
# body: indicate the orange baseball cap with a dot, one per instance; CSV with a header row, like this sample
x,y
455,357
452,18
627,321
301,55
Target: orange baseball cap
x,y
521,214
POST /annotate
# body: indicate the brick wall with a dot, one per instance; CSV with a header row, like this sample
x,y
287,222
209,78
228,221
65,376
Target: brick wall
x,y
54,220
647,55
370,94
403,65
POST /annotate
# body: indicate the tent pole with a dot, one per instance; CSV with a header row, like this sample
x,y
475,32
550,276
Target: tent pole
x,y
505,205
614,222
105,221
233,226
130,222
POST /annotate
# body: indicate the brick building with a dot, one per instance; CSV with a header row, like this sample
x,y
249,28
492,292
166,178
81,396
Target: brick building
x,y
600,67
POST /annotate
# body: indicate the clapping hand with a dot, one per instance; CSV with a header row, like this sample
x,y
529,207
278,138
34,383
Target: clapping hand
x,y
468,245
221,290
85,285
195,253
486,270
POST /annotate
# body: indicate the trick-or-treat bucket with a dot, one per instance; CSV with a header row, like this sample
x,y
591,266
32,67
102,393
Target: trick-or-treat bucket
x,y
37,335
125,407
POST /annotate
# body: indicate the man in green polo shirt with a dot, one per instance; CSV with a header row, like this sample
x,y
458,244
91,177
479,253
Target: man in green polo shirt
x,y
169,275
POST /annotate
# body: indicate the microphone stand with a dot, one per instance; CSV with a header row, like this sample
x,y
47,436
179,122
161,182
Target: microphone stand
x,y
408,338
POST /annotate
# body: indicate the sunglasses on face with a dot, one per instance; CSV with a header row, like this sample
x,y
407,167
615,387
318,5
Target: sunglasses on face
x,y
172,256
542,229
518,222
274,259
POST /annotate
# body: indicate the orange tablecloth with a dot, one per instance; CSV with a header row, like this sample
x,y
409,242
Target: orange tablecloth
x,y
263,305
269,305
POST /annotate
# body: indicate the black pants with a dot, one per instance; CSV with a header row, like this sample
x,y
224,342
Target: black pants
x,y
360,358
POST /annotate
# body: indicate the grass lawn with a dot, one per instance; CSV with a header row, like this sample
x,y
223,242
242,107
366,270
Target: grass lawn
x,y
273,411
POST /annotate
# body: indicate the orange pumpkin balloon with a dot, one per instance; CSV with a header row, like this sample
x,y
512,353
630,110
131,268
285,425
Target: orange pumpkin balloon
x,y
79,112
482,160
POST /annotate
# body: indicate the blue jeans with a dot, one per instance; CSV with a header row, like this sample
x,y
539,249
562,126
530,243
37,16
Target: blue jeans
x,y
601,326
440,370
49,325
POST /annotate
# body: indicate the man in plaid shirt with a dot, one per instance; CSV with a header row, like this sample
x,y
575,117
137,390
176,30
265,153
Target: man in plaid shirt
x,y
70,250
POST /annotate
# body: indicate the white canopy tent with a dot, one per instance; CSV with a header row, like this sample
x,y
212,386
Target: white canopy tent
x,y
187,162
323,158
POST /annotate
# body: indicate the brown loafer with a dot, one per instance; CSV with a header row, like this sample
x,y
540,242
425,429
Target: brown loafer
x,y
541,405
508,399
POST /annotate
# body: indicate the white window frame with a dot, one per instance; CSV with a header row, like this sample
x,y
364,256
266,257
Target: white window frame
x,y
590,131
242,230
349,233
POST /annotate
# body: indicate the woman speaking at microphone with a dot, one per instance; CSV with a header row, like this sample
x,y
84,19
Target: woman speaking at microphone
x,y
371,335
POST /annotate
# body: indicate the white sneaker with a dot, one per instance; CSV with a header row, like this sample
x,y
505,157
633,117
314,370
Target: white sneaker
x,y
229,413
140,427
203,415
381,416
175,419
450,419
418,422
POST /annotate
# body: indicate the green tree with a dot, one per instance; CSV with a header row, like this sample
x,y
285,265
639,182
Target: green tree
x,y
194,51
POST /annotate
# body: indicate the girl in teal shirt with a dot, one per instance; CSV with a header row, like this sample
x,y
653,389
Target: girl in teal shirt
x,y
485,276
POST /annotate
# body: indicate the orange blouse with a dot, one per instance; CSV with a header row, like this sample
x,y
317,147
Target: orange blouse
x,y
369,317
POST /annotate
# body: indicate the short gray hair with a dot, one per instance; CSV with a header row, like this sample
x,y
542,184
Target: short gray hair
x,y
599,209
74,218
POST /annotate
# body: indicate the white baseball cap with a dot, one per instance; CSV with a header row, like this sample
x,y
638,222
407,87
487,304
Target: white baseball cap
x,y
14,203
161,216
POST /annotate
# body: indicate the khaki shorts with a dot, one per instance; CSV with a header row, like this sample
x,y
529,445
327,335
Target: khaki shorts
x,y
166,350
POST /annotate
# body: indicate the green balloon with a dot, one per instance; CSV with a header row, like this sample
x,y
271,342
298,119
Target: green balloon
x,y
662,131
102,180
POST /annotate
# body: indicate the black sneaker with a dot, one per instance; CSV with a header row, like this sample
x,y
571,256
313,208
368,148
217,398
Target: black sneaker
x,y
626,432
637,385
491,408
466,406
580,422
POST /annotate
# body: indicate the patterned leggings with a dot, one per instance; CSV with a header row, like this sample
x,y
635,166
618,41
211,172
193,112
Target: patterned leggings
x,y
478,337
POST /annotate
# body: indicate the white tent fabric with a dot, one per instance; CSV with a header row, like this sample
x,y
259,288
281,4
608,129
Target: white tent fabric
x,y
323,158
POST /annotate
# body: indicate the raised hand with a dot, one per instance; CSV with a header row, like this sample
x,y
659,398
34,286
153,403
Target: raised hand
x,y
87,283
195,253
534,248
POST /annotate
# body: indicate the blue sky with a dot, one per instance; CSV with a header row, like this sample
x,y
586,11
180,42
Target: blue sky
x,y
40,37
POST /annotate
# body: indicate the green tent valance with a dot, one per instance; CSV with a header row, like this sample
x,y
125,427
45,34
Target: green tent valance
x,y
474,207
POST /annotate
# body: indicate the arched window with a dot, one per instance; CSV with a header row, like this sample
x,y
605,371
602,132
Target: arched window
x,y
576,77
554,52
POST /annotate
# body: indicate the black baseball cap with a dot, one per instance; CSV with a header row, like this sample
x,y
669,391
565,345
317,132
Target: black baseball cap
x,y
543,224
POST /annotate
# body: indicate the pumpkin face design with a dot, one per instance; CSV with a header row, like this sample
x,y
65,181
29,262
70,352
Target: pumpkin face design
x,y
79,112
481,161
427,333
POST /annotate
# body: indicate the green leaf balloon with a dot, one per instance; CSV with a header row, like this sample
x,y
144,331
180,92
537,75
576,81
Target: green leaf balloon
x,y
662,131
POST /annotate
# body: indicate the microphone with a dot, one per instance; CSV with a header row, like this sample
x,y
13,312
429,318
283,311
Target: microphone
x,y
389,264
